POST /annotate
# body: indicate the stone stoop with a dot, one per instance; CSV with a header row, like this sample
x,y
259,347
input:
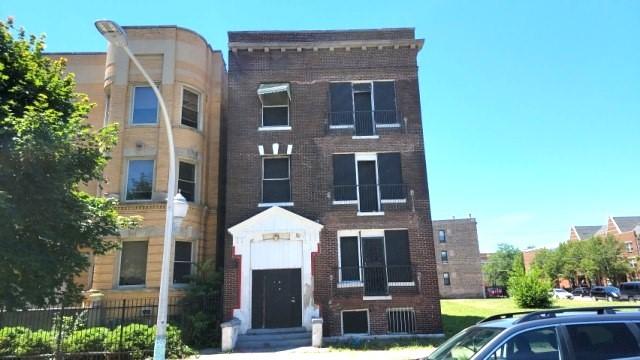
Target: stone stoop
x,y
273,339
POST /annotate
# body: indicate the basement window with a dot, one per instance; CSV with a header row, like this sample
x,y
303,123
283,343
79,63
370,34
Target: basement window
x,y
401,321
355,322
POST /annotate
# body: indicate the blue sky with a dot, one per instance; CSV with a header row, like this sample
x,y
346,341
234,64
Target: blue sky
x,y
531,109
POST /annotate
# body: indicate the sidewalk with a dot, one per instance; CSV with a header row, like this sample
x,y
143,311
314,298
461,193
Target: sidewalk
x,y
310,353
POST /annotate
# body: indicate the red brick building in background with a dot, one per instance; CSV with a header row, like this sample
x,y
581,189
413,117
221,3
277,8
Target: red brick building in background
x,y
329,210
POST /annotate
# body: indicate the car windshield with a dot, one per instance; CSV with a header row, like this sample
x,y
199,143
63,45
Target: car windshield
x,y
465,344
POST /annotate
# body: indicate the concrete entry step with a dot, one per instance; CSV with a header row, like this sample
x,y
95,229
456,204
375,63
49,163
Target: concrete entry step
x,y
272,339
273,331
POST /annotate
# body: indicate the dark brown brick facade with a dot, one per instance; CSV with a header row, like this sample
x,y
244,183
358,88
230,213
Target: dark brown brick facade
x,y
309,73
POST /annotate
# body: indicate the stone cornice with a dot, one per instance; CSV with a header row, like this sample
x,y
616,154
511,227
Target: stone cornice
x,y
331,45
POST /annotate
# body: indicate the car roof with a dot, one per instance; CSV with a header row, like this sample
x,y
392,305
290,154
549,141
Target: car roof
x,y
562,316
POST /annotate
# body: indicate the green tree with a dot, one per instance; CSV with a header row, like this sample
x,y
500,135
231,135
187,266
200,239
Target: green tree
x,y
499,265
46,150
603,259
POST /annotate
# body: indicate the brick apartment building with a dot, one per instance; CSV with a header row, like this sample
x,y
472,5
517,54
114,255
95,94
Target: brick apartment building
x,y
192,79
458,258
626,229
327,205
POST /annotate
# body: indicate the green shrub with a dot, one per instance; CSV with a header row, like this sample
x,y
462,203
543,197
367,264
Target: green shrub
x,y
176,349
34,343
530,290
92,339
139,339
9,338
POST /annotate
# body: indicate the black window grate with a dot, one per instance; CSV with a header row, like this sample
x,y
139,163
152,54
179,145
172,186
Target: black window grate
x,y
401,321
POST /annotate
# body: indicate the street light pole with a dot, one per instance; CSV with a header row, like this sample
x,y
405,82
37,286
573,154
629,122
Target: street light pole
x,y
116,36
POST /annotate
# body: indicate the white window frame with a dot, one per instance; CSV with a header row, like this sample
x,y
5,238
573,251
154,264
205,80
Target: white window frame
x,y
373,107
184,87
360,283
448,278
628,246
355,310
132,103
264,127
126,179
368,157
267,204
446,255
442,240
191,261
118,264
196,174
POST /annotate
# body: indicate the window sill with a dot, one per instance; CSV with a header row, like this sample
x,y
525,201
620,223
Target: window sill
x,y
187,127
345,202
349,284
385,297
132,125
275,204
366,137
130,287
393,201
387,125
402,283
340,127
125,201
274,128
373,213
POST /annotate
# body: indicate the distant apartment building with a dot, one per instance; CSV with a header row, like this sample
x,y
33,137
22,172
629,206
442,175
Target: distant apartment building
x,y
192,79
458,258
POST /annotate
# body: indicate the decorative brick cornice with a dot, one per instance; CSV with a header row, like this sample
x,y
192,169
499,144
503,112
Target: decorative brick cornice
x,y
283,46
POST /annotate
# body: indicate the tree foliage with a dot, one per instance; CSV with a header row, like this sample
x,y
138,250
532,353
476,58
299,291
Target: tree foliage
x,y
595,259
500,264
46,150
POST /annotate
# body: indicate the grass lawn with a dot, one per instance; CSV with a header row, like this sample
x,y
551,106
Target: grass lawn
x,y
456,315
461,313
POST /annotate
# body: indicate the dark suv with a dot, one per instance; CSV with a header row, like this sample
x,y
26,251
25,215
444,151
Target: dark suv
x,y
630,291
608,293
581,291
597,333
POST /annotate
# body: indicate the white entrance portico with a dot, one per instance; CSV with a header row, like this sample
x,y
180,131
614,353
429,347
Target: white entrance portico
x,y
275,239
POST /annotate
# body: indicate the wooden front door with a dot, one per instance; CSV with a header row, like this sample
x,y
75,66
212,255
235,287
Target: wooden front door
x,y
276,299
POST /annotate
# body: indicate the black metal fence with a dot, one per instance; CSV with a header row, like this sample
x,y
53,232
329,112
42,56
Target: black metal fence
x,y
122,329
375,279
373,197
364,123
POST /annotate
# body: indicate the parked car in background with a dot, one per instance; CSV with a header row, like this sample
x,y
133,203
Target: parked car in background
x,y
561,294
630,291
581,291
573,334
608,293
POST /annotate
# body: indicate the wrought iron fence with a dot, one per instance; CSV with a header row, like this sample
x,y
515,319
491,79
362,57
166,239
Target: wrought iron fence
x,y
122,329
372,197
364,123
375,280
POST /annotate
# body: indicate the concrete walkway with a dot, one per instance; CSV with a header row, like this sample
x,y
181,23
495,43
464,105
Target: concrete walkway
x,y
311,353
